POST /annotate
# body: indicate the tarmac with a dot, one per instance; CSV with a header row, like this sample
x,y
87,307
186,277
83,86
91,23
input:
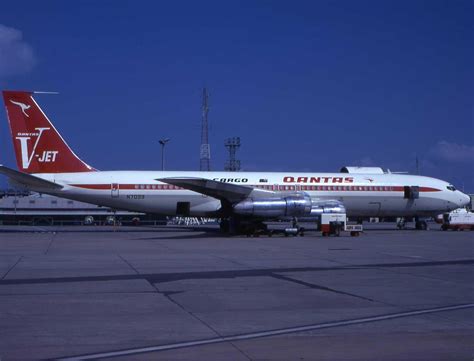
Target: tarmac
x,y
177,293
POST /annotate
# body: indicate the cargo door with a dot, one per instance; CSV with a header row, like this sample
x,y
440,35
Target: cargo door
x,y
375,208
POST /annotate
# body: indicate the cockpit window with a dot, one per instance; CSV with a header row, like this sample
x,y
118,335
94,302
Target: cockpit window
x,y
451,188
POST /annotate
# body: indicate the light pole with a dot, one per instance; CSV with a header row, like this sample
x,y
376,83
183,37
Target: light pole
x,y
163,143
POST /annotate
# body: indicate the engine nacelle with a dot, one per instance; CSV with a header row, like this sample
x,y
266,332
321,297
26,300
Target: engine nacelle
x,y
294,205
319,207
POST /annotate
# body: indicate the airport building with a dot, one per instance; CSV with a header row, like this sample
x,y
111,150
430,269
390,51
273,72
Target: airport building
x,y
19,207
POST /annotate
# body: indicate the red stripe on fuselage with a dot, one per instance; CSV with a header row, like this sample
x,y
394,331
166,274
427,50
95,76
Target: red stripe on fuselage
x,y
352,188
429,189
135,187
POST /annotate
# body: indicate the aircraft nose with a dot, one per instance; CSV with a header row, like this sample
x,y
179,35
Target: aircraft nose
x,y
464,200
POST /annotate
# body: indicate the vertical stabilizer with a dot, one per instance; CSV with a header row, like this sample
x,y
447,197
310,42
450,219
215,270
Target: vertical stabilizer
x,y
39,148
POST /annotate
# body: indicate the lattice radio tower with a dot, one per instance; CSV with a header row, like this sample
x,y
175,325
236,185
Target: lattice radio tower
x,y
232,145
205,153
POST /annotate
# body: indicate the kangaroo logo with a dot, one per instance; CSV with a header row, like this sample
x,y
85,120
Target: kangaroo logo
x,y
27,157
24,107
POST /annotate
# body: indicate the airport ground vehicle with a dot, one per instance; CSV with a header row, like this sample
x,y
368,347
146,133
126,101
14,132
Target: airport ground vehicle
x,y
47,165
458,220
334,224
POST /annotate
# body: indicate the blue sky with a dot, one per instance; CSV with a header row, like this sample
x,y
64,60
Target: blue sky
x,y
307,85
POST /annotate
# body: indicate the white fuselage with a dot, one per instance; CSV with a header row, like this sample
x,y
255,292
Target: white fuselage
x,y
364,195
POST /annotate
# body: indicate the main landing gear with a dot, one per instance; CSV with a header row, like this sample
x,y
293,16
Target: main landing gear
x,y
420,225
239,226
234,225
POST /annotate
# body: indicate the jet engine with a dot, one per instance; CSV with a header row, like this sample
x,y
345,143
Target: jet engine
x,y
293,205
297,204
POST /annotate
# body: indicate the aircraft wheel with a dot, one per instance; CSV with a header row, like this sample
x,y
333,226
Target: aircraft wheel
x,y
224,226
421,225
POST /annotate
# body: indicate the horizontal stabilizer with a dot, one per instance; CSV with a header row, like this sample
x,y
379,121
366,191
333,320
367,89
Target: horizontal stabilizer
x,y
28,180
219,190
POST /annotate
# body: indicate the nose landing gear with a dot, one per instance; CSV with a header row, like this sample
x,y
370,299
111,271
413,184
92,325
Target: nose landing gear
x,y
420,225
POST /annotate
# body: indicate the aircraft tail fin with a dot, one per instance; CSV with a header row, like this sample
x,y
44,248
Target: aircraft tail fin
x,y
39,148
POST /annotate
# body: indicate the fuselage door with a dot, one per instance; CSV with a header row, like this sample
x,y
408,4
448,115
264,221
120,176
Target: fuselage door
x,y
412,192
115,190
375,208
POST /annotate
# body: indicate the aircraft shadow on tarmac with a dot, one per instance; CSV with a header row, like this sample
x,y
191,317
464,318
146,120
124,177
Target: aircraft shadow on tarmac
x,y
272,272
190,234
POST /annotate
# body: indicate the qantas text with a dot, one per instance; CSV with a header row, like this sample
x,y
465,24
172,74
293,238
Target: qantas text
x,y
318,180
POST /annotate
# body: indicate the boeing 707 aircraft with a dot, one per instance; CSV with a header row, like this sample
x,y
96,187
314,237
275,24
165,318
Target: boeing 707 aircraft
x,y
46,164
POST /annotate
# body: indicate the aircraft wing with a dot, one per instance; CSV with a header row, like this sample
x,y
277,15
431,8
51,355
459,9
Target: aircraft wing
x,y
28,180
219,190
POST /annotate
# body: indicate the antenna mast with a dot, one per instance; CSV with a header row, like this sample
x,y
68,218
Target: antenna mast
x,y
205,153
232,144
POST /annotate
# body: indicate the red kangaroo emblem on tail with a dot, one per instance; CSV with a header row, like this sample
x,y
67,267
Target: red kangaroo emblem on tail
x,y
24,107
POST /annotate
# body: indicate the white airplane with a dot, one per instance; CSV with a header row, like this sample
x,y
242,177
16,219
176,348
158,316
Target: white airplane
x,y
47,165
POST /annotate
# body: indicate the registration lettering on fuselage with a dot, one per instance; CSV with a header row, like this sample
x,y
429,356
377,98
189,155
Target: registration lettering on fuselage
x,y
135,196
